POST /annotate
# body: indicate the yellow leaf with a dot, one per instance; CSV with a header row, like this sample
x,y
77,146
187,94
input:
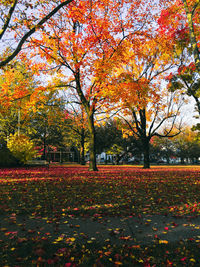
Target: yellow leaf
x,y
59,239
163,242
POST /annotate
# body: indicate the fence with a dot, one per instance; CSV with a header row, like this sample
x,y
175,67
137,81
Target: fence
x,y
61,156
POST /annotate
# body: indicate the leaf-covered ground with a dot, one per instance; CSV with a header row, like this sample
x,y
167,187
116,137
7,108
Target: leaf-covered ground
x,y
128,216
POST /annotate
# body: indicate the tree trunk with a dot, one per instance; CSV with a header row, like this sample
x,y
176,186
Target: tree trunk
x,y
118,159
144,138
92,145
146,153
167,159
90,115
182,160
82,160
44,148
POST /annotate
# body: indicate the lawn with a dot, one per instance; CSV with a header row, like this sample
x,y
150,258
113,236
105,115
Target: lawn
x,y
119,216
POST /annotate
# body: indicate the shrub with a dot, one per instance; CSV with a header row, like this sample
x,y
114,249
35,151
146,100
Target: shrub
x,y
7,159
21,147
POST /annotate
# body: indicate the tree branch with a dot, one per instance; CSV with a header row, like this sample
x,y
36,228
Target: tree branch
x,y
8,18
33,30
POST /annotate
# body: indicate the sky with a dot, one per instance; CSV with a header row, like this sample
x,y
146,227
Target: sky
x,y
189,113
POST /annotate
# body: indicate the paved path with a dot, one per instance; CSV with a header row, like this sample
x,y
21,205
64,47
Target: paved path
x,y
135,230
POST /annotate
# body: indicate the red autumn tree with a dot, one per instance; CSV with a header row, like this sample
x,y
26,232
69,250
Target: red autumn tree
x,y
86,40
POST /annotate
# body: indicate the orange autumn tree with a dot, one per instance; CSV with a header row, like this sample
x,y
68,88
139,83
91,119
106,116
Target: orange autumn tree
x,y
20,95
20,19
138,86
16,87
84,43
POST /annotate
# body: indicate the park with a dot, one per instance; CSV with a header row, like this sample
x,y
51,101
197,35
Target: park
x,y
99,133
119,216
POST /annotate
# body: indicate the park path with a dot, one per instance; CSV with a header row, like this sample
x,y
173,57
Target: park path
x,y
143,230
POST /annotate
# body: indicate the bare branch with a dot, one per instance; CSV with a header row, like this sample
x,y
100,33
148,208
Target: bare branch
x,y
153,122
168,135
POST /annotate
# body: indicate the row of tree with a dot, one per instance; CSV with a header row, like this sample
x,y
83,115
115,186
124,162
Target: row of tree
x,y
53,127
124,58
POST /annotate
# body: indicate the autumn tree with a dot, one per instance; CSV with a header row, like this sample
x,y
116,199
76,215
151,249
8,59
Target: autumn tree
x,y
163,148
46,123
187,80
8,123
20,19
18,93
184,146
187,146
110,140
108,134
146,123
21,147
192,11
85,40
138,85
179,19
179,23
26,108
76,128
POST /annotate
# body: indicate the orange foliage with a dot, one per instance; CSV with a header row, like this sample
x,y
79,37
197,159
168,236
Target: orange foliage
x,y
90,40
17,86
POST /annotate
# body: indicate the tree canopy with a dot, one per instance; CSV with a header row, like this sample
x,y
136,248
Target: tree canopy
x,y
124,58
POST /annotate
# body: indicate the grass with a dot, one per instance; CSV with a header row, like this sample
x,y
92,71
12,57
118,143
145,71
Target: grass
x,y
53,196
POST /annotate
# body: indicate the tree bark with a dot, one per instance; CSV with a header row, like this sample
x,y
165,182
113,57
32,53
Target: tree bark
x,y
90,116
146,148
82,160
92,145
144,138
168,160
44,149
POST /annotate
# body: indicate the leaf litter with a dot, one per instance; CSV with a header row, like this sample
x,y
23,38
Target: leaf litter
x,y
127,216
